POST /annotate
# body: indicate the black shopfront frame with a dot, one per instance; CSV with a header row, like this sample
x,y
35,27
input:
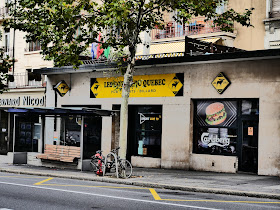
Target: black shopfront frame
x,y
242,118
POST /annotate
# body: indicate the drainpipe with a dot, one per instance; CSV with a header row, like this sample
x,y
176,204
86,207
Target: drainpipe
x,y
14,42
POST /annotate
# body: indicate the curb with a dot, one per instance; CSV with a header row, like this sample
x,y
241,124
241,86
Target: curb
x,y
150,185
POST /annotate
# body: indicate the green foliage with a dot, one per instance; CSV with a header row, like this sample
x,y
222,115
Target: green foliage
x,y
62,27
65,28
5,65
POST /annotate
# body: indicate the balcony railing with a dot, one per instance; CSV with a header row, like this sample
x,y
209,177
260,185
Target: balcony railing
x,y
174,29
21,81
4,12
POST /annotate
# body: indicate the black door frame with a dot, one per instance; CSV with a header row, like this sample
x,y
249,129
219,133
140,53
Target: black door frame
x,y
240,118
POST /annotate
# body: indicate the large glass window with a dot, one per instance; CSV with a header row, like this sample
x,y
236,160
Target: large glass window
x,y
70,133
27,134
215,127
145,130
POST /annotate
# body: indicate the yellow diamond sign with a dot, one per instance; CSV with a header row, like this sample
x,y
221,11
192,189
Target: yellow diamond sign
x,y
62,88
175,85
221,83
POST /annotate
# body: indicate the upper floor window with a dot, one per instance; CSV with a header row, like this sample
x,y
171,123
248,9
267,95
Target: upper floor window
x,y
33,46
275,8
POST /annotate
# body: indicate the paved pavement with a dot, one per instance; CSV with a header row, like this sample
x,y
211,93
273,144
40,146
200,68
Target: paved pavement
x,y
210,182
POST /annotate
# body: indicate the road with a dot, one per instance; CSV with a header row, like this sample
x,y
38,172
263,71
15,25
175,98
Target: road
x,y
38,192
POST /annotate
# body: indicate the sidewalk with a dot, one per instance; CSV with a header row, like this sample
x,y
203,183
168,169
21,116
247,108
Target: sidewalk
x,y
209,182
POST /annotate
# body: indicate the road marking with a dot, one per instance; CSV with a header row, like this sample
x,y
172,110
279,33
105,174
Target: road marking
x,y
29,177
155,195
153,192
220,201
109,196
41,182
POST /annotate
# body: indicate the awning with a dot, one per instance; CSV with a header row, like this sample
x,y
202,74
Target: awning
x,y
211,40
51,111
167,47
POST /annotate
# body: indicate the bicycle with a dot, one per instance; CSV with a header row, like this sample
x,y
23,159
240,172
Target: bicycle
x,y
97,162
122,168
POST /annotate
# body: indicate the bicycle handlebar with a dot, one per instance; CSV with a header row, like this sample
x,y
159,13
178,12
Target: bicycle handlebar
x,y
115,150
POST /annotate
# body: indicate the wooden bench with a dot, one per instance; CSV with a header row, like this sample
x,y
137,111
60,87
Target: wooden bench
x,y
60,153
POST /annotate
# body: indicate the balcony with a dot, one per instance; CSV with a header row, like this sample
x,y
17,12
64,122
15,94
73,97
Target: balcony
x,y
174,29
21,80
4,13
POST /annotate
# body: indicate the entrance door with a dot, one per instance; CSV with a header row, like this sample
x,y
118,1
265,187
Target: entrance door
x,y
249,149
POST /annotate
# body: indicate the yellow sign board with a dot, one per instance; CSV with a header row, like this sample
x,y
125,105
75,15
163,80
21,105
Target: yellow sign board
x,y
221,83
62,88
159,85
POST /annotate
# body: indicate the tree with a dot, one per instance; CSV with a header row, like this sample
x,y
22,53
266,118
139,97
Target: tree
x,y
55,24
5,65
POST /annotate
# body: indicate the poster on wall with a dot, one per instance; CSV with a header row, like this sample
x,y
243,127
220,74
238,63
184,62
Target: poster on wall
x,y
157,85
216,127
216,113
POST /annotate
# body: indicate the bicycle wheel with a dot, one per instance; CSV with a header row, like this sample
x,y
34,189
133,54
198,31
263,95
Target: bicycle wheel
x,y
94,164
125,169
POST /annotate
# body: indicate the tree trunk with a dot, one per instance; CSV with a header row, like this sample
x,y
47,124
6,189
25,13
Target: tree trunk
x,y
128,81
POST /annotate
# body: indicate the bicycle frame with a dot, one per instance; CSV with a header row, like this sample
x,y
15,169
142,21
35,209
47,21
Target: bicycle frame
x,y
115,160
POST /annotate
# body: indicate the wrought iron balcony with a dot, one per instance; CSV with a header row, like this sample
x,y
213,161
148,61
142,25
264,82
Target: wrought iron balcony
x,y
21,81
174,29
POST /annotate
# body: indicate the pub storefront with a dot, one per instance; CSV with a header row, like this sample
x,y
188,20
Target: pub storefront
x,y
228,127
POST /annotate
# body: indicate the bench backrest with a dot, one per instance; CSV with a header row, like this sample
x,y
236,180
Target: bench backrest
x,y
60,150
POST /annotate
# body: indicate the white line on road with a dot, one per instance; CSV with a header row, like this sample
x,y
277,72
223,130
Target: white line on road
x,y
109,196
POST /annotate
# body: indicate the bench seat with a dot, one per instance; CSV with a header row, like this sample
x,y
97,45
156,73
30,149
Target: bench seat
x,y
60,153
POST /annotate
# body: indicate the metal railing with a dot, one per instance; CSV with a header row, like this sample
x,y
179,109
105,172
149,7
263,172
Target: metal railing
x,y
174,29
161,55
21,81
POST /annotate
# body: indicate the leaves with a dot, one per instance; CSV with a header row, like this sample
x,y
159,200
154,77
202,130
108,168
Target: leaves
x,y
65,28
5,65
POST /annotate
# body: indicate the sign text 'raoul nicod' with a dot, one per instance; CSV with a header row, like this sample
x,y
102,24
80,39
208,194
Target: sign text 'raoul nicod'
x,y
23,101
160,85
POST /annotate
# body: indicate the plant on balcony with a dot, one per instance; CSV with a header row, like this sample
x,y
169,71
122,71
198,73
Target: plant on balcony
x,y
55,23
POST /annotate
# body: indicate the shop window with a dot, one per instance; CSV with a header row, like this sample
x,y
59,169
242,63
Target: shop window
x,y
27,134
4,133
70,133
215,127
145,134
250,107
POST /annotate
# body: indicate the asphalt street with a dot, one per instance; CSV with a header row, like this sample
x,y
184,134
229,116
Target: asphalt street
x,y
37,192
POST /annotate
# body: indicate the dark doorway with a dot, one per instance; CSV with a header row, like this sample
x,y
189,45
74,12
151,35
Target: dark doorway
x,y
249,149
92,136
3,133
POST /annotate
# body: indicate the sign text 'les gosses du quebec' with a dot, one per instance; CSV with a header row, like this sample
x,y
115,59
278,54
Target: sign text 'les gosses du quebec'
x,y
159,85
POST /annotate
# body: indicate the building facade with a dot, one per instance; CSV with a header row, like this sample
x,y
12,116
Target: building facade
x,y
203,112
272,24
25,90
